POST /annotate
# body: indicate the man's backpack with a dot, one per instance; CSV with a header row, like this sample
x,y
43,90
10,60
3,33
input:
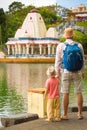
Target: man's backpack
x,y
72,57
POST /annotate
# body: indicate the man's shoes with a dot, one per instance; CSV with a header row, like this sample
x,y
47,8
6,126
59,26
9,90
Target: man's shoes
x,y
63,117
80,116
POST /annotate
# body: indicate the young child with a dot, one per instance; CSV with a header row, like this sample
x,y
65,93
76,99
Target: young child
x,y
52,91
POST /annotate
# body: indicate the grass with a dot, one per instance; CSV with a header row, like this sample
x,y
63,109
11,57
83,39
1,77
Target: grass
x,y
83,24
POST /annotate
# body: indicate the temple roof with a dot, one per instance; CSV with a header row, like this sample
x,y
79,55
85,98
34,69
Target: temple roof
x,y
34,10
33,30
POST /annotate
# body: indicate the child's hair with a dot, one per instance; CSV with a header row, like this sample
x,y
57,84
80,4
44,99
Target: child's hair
x,y
51,71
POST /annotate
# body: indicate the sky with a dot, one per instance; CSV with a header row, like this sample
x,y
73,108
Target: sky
x,y
65,3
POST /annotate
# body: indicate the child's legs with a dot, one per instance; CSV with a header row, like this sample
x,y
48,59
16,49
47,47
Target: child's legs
x,y
50,111
57,108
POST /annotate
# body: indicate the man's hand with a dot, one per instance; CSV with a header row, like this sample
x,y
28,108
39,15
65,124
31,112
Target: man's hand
x,y
82,75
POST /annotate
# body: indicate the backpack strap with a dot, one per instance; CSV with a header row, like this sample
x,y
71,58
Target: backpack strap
x,y
66,43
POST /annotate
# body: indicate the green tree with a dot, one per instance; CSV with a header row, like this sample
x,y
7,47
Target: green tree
x,y
2,16
49,15
15,6
15,20
82,38
2,25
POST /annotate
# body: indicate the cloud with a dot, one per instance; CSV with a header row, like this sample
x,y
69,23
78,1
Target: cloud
x,y
38,3
4,4
44,2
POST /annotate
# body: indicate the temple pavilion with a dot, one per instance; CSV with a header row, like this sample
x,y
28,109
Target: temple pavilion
x,y
32,39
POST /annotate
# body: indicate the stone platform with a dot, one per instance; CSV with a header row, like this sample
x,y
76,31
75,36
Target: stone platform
x,y
72,124
17,119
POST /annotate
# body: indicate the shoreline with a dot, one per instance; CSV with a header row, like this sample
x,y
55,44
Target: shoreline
x,y
28,60
31,59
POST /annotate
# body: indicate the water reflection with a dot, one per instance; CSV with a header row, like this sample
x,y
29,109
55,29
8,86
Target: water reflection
x,y
16,79
10,101
26,76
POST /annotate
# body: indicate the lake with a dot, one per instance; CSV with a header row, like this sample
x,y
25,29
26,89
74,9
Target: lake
x,y
17,78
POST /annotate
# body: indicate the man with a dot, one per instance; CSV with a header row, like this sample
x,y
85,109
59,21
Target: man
x,y
69,76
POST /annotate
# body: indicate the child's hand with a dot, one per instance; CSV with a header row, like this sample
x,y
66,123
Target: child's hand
x,y
44,96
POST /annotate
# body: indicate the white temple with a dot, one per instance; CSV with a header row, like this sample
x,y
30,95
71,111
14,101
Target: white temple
x,y
32,39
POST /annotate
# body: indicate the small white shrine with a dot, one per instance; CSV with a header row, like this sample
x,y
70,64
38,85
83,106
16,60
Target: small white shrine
x,y
32,39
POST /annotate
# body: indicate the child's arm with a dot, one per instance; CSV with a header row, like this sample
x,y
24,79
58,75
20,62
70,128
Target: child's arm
x,y
46,92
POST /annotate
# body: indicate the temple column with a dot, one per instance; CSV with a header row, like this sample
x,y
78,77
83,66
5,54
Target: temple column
x,y
53,49
40,47
32,50
16,49
13,50
24,50
19,49
27,50
44,49
49,49
8,47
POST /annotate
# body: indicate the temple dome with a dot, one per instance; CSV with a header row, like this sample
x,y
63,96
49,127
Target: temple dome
x,y
51,32
34,25
19,33
81,6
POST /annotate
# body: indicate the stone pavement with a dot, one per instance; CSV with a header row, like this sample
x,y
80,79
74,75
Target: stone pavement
x,y
40,124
